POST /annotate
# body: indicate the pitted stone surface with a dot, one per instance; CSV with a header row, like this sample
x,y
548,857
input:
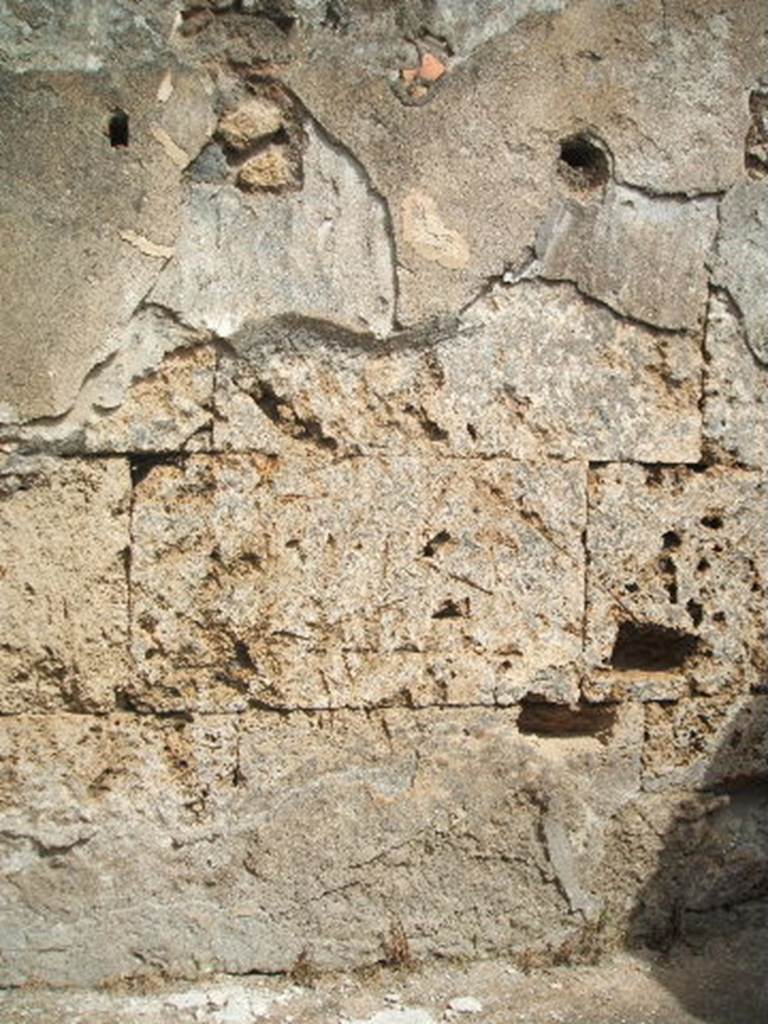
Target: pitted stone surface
x,y
63,543
382,489
676,580
533,370
281,829
355,582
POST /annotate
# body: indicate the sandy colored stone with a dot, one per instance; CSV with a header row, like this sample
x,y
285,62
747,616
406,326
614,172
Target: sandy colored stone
x,y
154,394
255,118
271,169
63,541
735,413
644,257
532,371
425,231
354,583
240,843
168,409
684,554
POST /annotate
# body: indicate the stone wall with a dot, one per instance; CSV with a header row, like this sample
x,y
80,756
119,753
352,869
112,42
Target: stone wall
x,y
383,482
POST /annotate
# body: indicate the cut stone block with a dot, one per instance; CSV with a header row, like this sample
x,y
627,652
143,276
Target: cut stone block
x,y
644,257
356,582
533,371
675,587
248,843
63,544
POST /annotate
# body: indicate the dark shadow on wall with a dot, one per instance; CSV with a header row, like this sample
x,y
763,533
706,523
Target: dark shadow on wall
x,y
704,912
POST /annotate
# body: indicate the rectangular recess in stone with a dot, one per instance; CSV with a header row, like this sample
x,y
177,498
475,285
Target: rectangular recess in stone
x,y
533,370
675,582
355,582
63,546
136,845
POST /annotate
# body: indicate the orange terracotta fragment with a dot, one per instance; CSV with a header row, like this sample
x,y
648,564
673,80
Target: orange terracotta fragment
x,y
431,68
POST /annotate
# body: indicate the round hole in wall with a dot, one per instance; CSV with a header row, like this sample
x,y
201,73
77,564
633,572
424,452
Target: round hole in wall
x,y
583,163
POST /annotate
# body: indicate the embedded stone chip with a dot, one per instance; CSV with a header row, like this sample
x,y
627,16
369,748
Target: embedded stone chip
x,y
254,119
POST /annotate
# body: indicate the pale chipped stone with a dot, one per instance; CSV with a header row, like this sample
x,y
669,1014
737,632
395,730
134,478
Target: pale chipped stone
x,y
534,370
740,262
735,412
264,837
644,257
255,118
146,246
322,252
359,582
425,231
273,168
677,569
63,543
705,742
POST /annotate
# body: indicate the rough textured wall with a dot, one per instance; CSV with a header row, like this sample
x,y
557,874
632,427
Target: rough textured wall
x,y
383,480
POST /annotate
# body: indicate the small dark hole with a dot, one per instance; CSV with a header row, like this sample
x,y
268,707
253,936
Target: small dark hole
x,y
649,647
631,588
671,539
719,617
703,565
437,541
582,163
713,522
471,431
243,655
668,568
696,612
118,130
142,463
451,609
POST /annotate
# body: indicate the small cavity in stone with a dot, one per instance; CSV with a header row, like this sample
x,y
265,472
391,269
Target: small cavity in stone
x,y
646,646
542,718
118,130
582,163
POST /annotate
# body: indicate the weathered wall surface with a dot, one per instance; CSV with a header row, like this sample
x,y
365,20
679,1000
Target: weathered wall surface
x,y
383,484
